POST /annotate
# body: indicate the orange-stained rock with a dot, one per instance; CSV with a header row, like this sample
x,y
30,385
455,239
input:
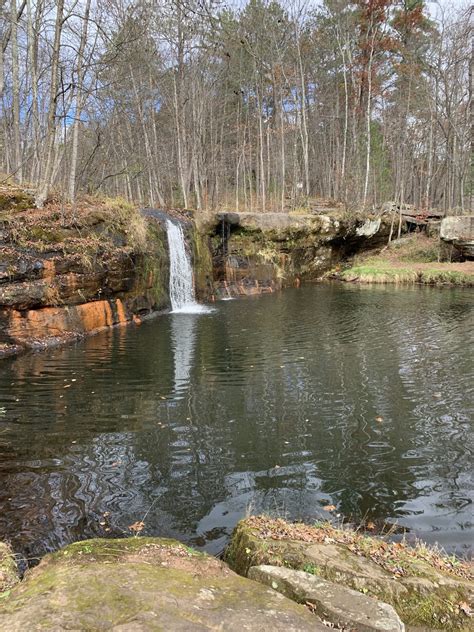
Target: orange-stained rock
x,y
95,315
121,316
49,269
50,322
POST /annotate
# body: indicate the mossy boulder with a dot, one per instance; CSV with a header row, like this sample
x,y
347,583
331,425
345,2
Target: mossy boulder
x,y
144,584
423,587
14,199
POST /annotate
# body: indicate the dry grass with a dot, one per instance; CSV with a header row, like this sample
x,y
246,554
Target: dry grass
x,y
94,225
398,558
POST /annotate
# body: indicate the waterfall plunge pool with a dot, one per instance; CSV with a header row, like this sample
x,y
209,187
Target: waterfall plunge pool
x,y
358,397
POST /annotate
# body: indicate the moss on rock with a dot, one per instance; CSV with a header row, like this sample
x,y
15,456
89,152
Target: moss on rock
x,y
424,588
14,199
144,583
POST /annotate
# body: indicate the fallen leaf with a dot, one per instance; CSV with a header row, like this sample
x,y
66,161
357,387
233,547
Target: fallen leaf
x,y
466,608
379,419
137,526
329,507
370,526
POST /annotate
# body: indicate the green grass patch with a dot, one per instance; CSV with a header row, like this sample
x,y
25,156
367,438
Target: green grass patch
x,y
380,272
447,277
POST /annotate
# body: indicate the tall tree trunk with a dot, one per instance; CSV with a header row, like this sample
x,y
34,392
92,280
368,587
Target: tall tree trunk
x,y
79,103
368,124
51,126
18,167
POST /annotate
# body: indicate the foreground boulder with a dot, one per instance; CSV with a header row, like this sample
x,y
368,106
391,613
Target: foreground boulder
x,y
425,588
340,606
144,584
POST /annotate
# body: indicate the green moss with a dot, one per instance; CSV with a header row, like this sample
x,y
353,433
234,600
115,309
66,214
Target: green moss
x,y
312,569
447,277
47,236
246,549
13,199
153,269
150,583
437,610
379,273
423,601
203,266
113,549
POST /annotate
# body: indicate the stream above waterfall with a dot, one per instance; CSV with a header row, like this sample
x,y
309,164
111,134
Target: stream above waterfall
x,y
329,395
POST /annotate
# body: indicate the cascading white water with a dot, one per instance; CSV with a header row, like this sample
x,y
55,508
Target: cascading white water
x,y
181,273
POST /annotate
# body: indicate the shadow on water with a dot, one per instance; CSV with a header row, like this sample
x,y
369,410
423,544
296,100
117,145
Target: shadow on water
x,y
357,397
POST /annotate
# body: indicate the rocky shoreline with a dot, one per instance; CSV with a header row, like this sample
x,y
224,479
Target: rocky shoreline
x,y
70,272
276,576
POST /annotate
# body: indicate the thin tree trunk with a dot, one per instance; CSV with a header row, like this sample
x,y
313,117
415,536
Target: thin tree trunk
x,y
51,127
18,167
368,128
79,104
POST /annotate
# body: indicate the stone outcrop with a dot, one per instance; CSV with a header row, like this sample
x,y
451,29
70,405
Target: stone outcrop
x,y
341,606
423,592
144,584
255,252
459,231
65,274
62,277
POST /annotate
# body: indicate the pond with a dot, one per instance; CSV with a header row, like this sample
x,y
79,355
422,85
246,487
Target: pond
x,y
357,397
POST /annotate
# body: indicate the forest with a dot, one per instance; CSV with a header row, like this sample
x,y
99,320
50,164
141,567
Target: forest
x,y
262,106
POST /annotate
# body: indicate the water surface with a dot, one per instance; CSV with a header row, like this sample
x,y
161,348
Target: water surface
x,y
266,404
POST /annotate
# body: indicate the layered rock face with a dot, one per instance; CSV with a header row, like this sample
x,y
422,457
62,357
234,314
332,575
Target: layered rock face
x,y
254,252
62,277
65,274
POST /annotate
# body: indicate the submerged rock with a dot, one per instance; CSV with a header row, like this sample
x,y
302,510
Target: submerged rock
x,y
339,605
145,584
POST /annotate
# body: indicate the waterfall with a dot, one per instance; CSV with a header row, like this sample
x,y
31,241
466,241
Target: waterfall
x,y
181,272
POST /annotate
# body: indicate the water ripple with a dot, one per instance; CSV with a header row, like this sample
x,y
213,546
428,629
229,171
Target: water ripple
x,y
348,396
